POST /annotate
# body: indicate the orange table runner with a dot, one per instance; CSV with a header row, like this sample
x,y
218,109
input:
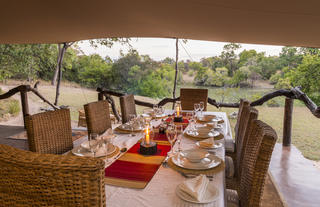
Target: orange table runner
x,y
134,170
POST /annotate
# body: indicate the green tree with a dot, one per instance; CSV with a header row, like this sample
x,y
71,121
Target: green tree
x,y
229,57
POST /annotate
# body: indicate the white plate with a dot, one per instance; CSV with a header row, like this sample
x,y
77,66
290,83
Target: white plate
x,y
82,152
127,127
215,146
203,133
207,163
211,195
218,119
206,118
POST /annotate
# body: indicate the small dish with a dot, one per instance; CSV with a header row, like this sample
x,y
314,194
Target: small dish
x,y
215,146
195,155
206,118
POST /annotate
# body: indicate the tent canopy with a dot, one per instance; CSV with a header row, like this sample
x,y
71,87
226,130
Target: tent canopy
x,y
274,22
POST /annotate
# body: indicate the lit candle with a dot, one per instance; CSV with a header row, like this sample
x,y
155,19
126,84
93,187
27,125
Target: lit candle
x,y
178,111
147,135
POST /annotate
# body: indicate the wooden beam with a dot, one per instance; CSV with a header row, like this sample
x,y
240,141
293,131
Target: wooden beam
x,y
176,72
294,93
287,122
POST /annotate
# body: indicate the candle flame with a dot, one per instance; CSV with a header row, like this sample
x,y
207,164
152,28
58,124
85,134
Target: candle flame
x,y
178,111
147,135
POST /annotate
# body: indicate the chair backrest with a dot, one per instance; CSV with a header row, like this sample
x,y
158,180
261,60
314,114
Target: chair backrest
x,y
256,160
50,132
242,113
243,137
33,179
97,117
128,107
190,96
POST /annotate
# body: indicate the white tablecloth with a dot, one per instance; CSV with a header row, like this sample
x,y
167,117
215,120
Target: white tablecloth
x,y
161,189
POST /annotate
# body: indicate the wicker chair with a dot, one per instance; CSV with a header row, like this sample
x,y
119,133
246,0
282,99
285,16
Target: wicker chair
x,y
97,117
190,96
128,107
50,132
232,180
256,160
243,112
33,179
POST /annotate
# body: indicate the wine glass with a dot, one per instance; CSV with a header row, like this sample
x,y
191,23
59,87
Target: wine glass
x,y
179,132
161,110
201,106
155,109
196,108
93,143
172,136
132,118
189,115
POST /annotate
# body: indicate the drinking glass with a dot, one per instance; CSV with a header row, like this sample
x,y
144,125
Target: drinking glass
x,y
196,108
155,109
132,118
201,106
161,110
106,143
189,115
93,143
179,132
172,136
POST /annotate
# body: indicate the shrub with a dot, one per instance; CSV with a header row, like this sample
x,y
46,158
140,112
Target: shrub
x,y
283,83
14,107
255,97
190,73
315,97
272,103
275,78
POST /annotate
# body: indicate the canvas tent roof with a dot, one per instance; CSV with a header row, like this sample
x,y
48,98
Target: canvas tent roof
x,y
276,22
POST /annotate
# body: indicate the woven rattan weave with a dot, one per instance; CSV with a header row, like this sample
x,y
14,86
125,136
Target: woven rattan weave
x,y
50,132
34,179
190,96
97,117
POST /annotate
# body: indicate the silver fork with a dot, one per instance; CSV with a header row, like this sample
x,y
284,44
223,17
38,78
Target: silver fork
x,y
190,175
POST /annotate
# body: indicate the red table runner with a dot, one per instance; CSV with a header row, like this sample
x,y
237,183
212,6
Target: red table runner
x,y
134,170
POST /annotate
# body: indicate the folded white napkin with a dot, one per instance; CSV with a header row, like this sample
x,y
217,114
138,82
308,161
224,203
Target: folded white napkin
x,y
207,143
196,187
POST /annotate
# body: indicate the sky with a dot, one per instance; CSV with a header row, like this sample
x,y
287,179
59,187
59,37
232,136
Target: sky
x,y
160,48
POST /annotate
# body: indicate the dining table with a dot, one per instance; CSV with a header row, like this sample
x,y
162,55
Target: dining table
x,y
161,190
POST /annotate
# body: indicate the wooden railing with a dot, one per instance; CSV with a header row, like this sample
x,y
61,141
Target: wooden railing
x,y
293,93
23,90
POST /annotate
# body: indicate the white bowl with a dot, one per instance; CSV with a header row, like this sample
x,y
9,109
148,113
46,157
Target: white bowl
x,y
195,155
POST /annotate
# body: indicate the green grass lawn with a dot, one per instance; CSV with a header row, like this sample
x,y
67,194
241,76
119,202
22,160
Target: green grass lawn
x,y
305,134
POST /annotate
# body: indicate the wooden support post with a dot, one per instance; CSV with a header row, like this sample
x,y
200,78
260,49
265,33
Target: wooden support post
x,y
287,122
100,96
25,105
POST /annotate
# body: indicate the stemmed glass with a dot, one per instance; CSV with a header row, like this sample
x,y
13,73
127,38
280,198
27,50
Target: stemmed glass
x,y
132,118
155,109
172,136
201,106
93,143
196,108
179,131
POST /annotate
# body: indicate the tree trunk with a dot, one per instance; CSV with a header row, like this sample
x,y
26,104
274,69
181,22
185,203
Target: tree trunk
x,y
176,74
65,46
55,76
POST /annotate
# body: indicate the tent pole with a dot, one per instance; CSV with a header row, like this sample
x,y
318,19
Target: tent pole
x,y
176,74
